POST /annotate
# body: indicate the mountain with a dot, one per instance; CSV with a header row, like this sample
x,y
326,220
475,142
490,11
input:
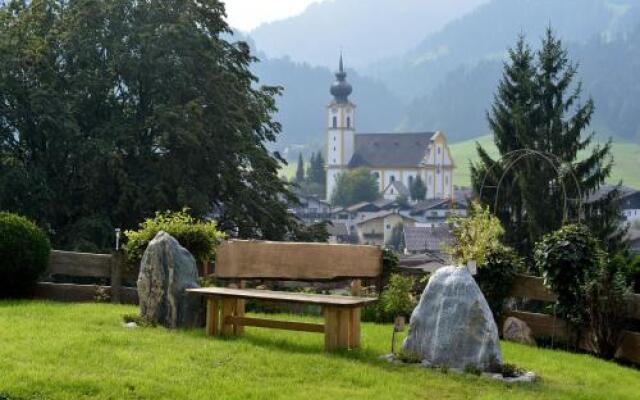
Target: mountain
x,y
367,31
302,106
608,68
487,32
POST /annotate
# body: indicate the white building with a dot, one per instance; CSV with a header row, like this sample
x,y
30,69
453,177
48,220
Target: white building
x,y
391,157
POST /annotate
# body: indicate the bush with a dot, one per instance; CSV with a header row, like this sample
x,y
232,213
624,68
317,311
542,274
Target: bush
x,y
606,299
495,277
199,237
475,235
24,255
396,300
568,259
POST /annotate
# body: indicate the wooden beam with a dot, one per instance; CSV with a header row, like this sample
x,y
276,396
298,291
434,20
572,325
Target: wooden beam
x,y
238,259
275,324
213,317
531,287
80,264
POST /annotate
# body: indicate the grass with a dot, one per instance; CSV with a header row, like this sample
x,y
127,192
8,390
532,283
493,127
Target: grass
x,y
81,351
626,161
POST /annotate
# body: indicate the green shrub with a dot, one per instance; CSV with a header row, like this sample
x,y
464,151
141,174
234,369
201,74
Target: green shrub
x,y
397,298
568,259
495,277
606,301
475,235
24,255
199,237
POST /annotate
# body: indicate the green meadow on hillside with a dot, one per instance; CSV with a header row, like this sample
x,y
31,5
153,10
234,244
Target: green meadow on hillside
x,y
626,161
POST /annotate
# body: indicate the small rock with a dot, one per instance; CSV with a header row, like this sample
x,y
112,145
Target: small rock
x,y
516,330
130,325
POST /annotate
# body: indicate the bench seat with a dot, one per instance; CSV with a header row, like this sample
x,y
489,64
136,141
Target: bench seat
x,y
225,314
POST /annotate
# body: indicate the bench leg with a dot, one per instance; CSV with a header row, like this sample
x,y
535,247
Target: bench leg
x,y
238,330
227,310
354,332
213,317
337,328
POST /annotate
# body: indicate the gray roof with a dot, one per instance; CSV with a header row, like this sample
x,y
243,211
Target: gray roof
x,y
427,238
390,149
400,188
383,214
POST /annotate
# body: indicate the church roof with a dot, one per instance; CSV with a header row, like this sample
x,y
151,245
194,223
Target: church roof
x,y
390,149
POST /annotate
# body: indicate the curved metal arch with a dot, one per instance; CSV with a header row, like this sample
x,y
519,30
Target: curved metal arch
x,y
513,157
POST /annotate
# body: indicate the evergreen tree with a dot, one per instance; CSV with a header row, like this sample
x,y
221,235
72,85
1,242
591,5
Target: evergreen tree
x,y
537,108
418,189
300,170
353,187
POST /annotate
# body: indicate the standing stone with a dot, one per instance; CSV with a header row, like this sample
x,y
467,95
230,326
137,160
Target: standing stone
x,y
166,271
516,330
452,326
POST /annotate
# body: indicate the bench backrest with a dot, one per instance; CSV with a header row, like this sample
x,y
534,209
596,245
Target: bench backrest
x,y
240,259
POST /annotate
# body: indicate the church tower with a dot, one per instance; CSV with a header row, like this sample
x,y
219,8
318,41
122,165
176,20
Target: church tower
x,y
340,129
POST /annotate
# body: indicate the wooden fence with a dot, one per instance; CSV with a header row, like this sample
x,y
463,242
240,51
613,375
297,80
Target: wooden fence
x,y
544,325
110,268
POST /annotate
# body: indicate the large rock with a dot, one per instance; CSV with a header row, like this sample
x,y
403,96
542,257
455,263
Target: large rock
x,y
516,330
452,326
166,271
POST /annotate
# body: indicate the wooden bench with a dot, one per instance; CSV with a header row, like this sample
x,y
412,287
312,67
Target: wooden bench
x,y
245,260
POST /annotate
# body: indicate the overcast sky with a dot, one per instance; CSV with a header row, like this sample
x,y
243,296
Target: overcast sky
x,y
248,14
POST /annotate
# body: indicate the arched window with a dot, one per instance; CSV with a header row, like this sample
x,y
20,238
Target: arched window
x,y
335,122
376,175
348,122
410,180
392,178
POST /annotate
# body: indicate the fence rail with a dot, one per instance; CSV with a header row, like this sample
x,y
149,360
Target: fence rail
x,y
544,325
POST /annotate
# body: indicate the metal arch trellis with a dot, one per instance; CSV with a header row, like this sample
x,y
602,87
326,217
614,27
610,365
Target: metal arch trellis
x,y
511,158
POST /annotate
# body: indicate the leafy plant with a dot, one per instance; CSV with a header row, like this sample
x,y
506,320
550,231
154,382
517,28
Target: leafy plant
x,y
606,300
495,277
475,235
199,237
24,254
397,298
568,259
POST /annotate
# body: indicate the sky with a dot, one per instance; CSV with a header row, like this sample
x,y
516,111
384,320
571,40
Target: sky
x,y
246,15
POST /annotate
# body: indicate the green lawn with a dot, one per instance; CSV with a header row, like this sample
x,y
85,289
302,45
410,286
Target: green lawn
x,y
626,160
79,351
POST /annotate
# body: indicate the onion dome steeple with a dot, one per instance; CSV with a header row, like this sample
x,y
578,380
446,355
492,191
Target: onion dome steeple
x,y
341,89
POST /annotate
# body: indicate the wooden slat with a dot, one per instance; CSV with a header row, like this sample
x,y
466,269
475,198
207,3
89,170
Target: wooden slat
x,y
320,299
343,328
532,288
275,324
239,259
68,292
630,347
213,317
331,324
80,264
634,306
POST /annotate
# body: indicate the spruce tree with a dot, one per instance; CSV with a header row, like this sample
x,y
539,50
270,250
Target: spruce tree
x,y
300,170
537,111
418,189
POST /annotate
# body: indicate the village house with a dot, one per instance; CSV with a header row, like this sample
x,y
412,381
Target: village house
x,y
378,228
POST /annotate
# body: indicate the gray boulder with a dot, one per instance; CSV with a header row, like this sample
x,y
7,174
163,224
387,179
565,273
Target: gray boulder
x,y
166,271
516,330
452,326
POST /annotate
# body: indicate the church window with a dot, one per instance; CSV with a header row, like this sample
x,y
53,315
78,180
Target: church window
x,y
410,180
335,122
430,179
348,122
439,150
446,180
392,178
334,148
377,175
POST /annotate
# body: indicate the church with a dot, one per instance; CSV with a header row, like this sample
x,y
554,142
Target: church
x,y
395,159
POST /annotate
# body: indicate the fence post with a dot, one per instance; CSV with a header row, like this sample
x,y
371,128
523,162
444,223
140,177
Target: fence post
x,y
117,264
